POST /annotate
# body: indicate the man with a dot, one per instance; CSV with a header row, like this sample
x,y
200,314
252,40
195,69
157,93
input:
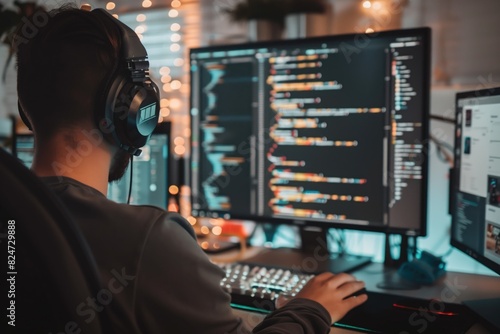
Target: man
x,y
160,280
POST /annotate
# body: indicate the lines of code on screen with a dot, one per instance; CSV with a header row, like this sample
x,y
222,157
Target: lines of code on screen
x,y
308,130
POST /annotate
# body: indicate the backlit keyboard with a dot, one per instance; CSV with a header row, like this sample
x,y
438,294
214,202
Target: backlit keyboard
x,y
258,287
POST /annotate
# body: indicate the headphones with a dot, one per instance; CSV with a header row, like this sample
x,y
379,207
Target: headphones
x,y
128,109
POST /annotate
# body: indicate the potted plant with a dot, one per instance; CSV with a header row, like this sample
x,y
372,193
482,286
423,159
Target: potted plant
x,y
265,18
267,10
270,15
306,6
9,20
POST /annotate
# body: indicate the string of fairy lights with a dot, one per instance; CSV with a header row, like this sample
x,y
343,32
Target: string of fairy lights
x,y
379,12
161,26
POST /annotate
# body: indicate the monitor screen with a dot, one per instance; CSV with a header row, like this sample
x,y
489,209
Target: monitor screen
x,y
326,131
476,190
150,173
25,148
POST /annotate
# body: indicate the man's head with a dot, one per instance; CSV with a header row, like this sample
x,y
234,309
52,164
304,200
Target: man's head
x,y
62,69
65,69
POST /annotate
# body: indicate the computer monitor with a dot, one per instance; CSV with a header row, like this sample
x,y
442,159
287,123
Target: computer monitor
x,y
24,148
150,173
150,170
323,132
476,188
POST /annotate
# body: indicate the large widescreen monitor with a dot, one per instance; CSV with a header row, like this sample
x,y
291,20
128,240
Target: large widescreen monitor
x,y
476,190
328,131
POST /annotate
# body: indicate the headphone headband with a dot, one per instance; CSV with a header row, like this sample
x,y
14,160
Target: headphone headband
x,y
131,46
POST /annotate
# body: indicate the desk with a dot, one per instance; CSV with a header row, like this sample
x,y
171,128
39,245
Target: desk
x,y
252,319
454,287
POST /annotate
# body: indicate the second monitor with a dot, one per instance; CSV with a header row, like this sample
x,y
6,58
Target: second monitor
x,y
326,132
150,176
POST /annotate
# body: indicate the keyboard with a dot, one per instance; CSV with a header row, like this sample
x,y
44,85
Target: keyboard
x,y
256,288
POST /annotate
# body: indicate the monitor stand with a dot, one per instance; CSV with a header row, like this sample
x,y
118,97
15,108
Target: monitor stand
x,y
392,280
486,310
313,257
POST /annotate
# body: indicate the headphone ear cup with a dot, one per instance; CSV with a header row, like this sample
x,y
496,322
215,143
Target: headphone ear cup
x,y
142,113
145,110
23,116
131,113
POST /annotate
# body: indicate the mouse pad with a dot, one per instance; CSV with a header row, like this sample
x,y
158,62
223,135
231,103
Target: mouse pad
x,y
384,313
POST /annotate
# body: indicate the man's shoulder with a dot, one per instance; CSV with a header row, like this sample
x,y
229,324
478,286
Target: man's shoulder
x,y
158,216
91,208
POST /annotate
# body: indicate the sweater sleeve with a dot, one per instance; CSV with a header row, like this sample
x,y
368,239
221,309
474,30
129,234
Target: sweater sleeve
x,y
178,291
297,316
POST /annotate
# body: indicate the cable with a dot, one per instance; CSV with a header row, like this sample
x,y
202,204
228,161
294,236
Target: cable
x,y
448,253
442,119
441,145
131,174
444,151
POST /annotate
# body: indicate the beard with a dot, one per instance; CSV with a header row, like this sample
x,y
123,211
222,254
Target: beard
x,y
118,166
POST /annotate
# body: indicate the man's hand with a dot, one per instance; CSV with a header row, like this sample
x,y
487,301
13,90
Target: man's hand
x,y
331,291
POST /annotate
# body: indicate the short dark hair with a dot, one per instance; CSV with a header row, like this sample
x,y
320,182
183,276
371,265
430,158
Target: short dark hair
x,y
64,58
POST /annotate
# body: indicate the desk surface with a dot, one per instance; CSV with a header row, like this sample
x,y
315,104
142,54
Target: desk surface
x,y
454,287
252,319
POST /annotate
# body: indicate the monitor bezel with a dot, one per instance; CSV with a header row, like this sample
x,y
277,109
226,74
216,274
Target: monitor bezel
x,y
495,91
426,33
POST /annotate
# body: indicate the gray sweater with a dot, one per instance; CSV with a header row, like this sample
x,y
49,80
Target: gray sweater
x,y
157,279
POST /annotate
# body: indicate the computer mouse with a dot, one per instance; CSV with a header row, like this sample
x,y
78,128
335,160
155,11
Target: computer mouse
x,y
361,291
